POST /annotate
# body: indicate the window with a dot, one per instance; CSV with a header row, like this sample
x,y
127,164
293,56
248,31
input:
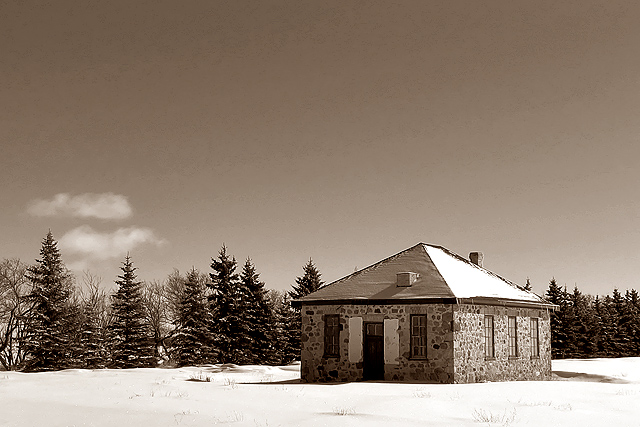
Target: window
x,y
375,329
419,336
535,342
489,349
513,337
332,335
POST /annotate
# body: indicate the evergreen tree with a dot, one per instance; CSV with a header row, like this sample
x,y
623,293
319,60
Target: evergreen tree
x,y
48,341
307,283
92,340
632,310
192,342
76,357
607,325
228,327
570,324
259,317
620,323
582,326
557,295
132,340
287,332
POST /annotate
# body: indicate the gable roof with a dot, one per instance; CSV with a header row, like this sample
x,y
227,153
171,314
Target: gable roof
x,y
441,275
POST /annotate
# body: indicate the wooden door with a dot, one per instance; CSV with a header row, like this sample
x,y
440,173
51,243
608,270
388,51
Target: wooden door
x,y
373,366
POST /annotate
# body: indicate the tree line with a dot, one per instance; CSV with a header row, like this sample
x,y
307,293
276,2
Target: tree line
x,y
49,321
584,326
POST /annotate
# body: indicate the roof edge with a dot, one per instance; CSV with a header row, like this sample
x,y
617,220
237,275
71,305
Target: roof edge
x,y
374,265
385,301
437,300
505,302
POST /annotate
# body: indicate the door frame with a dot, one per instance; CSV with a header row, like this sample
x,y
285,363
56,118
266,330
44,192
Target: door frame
x,y
373,369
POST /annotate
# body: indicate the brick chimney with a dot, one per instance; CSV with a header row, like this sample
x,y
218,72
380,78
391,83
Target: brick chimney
x,y
477,258
406,279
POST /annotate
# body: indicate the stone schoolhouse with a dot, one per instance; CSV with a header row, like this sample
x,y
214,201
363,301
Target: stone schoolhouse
x,y
425,314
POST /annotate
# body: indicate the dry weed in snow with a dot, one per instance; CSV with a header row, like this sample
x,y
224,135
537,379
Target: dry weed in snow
x,y
505,418
344,411
200,376
422,393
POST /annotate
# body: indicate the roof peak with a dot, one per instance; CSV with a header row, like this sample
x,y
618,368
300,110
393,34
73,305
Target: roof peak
x,y
440,273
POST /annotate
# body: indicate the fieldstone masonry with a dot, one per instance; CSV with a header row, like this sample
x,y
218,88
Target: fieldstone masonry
x,y
469,360
455,343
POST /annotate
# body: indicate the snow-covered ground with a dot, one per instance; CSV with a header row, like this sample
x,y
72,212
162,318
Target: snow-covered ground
x,y
597,392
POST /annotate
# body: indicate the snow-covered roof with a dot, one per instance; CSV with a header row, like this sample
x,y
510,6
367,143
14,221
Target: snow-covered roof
x,y
439,274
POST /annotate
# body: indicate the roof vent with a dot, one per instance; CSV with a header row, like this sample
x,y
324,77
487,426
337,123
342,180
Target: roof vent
x,y
405,279
477,258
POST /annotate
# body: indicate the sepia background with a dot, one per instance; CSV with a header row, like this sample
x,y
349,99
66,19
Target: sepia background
x,y
340,131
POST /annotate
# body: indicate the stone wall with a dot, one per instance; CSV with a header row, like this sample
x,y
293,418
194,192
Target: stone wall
x,y
470,363
447,362
438,367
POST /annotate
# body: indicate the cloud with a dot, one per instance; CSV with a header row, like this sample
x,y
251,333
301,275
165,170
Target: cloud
x,y
86,241
87,205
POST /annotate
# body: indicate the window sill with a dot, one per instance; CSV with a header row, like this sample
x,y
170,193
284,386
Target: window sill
x,y
330,356
514,357
420,359
488,359
535,357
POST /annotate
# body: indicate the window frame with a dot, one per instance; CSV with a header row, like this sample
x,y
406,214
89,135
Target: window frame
x,y
420,336
331,335
489,338
535,337
512,334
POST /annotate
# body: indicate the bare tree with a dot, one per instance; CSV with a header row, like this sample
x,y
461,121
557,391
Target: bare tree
x,y
174,286
14,312
93,296
95,316
155,299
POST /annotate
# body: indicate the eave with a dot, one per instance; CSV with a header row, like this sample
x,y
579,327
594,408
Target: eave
x,y
413,301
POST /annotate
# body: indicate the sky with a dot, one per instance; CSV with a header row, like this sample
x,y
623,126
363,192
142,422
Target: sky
x,y
344,132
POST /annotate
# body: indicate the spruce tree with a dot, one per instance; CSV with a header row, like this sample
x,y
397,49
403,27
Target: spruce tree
x,y
557,295
307,283
581,326
92,340
620,322
228,328
132,339
632,310
571,324
608,327
192,342
287,332
48,342
259,318
76,330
